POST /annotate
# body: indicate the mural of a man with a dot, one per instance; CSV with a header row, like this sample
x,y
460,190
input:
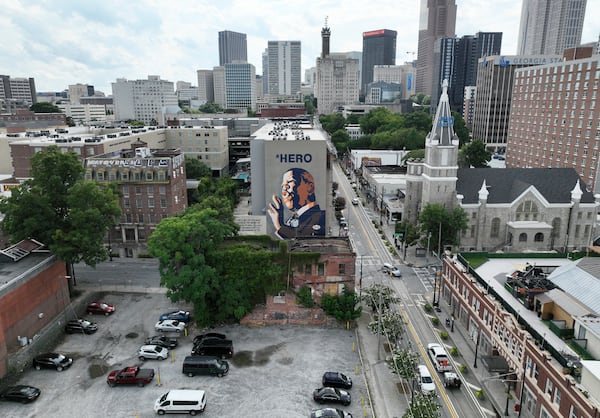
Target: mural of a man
x,y
298,196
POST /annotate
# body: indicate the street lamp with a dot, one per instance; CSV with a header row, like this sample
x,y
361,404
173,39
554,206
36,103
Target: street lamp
x,y
476,349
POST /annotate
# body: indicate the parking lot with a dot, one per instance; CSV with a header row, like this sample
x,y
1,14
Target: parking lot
x,y
272,374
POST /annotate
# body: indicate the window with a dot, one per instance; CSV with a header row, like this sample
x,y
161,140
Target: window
x,y
555,227
162,190
557,394
341,269
100,175
163,203
140,218
128,218
320,269
539,237
573,412
149,175
138,189
124,175
150,190
126,203
308,269
549,387
527,211
523,237
161,176
150,202
495,230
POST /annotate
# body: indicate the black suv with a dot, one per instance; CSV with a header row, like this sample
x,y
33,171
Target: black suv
x,y
52,361
81,326
162,341
209,336
214,347
337,380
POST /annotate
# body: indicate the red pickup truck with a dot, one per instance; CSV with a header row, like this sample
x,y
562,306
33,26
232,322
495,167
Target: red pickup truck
x,y
130,376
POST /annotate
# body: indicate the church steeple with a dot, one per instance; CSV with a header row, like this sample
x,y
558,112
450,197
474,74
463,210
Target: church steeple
x,y
442,131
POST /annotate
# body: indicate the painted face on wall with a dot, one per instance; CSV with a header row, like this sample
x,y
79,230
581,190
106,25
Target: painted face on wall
x,y
297,192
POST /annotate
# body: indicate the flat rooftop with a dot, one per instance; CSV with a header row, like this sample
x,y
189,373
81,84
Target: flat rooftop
x,y
290,131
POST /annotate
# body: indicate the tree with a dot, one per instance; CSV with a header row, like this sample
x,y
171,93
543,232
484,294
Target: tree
x,y
460,129
422,406
419,120
196,169
379,297
182,245
339,203
410,233
442,225
375,119
340,139
389,324
44,107
59,209
70,121
474,154
417,154
210,108
404,363
332,123
343,307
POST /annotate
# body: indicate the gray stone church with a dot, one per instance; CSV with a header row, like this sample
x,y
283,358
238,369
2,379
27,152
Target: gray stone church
x,y
508,209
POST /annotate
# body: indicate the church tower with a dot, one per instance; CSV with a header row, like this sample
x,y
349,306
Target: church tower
x,y
441,157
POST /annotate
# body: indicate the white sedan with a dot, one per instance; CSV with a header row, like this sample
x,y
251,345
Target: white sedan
x,y
167,325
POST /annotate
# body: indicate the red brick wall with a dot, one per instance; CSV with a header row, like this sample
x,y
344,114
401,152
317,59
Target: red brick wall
x,y
45,292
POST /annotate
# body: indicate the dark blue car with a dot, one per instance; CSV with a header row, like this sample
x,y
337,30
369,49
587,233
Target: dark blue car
x,y
182,316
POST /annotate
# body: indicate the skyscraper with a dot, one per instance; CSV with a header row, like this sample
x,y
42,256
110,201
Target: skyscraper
x,y
284,68
455,60
550,26
379,48
19,91
437,20
232,47
142,100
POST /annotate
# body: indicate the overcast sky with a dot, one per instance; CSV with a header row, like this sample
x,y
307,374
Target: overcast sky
x,y
62,42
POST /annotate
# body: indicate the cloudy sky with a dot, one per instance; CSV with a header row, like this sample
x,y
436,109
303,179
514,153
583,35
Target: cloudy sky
x,y
62,42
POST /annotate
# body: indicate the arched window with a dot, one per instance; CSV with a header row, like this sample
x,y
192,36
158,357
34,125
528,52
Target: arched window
x,y
527,211
523,237
510,238
495,231
539,237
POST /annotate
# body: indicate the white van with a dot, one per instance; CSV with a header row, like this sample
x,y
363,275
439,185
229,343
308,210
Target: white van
x,y
425,380
181,401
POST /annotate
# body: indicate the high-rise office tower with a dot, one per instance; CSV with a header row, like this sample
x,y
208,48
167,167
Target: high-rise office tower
x,y
206,89
379,48
20,91
284,68
437,20
265,72
550,26
455,60
232,47
240,86
142,100
337,81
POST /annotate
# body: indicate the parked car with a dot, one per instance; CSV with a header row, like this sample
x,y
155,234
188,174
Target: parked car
x,y
331,395
336,380
133,375
20,393
80,326
167,325
330,412
355,201
100,308
439,357
183,316
213,347
163,341
209,336
52,361
155,352
425,380
193,365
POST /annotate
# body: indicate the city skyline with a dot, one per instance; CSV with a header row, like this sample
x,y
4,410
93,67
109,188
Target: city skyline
x,y
67,42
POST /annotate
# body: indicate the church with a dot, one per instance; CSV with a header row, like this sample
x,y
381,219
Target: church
x,y
508,209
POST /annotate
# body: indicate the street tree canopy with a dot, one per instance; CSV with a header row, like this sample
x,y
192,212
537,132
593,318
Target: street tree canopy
x,y
44,107
474,154
58,208
442,226
196,169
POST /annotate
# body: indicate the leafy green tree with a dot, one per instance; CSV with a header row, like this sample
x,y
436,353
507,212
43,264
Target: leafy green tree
x,y
305,298
442,225
409,231
332,123
44,107
182,244
343,307
135,123
308,104
422,406
210,108
339,203
421,121
416,154
375,119
474,154
196,169
379,297
404,363
58,208
70,121
340,139
460,129
389,324
353,119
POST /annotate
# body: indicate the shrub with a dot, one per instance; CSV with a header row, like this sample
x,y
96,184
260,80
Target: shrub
x,y
435,320
443,335
343,307
462,368
305,298
479,394
427,307
454,351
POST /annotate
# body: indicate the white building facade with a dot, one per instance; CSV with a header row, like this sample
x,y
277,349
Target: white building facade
x,y
142,100
284,62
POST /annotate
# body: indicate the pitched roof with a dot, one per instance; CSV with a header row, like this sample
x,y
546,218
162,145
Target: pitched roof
x,y
506,184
